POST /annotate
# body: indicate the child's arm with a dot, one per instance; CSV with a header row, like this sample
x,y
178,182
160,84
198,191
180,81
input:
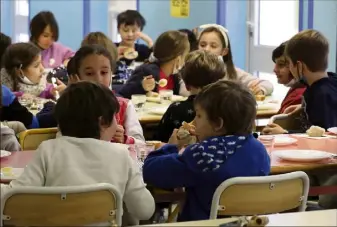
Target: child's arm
x,y
165,168
146,39
132,126
248,79
67,54
167,124
137,198
47,92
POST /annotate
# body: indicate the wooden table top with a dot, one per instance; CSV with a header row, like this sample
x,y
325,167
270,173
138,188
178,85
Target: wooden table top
x,y
312,218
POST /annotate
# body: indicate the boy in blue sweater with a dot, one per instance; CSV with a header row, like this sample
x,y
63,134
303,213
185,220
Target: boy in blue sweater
x,y
307,53
225,114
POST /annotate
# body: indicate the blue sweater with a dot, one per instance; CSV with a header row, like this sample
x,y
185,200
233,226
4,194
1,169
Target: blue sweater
x,y
203,167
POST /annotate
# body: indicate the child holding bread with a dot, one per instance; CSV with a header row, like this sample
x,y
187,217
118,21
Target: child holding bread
x,y
201,68
224,117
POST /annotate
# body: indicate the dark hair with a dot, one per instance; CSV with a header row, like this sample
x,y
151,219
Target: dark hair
x,y
39,22
170,45
228,59
192,39
279,51
19,56
101,39
230,101
5,41
76,61
83,108
131,17
202,68
311,48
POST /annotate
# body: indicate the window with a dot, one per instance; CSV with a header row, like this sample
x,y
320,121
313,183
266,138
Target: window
x,y
21,8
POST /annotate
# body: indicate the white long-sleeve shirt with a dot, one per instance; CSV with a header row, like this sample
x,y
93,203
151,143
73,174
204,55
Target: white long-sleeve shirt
x,y
69,161
131,124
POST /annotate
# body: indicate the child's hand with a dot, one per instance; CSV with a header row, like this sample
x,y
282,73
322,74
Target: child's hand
x,y
146,38
148,83
174,138
255,87
292,109
119,136
73,79
272,129
59,88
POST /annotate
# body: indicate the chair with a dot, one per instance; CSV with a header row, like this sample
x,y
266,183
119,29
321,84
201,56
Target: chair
x,y
288,121
32,138
62,206
261,195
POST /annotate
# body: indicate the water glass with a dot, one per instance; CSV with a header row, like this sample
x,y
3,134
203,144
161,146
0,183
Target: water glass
x,y
166,96
268,142
138,101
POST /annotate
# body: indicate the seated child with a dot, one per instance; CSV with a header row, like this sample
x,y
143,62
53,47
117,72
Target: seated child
x,y
94,63
44,32
200,69
23,72
130,25
225,115
84,154
284,76
307,53
168,58
214,39
9,142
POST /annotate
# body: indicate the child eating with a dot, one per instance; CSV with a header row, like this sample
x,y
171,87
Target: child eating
x,y
225,114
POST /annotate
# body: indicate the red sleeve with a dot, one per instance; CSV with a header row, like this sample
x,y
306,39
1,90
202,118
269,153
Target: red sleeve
x,y
294,97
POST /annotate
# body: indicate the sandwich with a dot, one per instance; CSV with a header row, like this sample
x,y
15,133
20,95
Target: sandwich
x,y
184,134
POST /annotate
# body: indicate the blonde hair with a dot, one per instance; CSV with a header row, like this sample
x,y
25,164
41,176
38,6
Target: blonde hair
x,y
101,39
311,48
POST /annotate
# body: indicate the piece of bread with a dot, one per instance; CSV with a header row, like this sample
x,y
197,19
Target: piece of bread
x,y
260,97
184,134
152,94
315,131
162,83
130,54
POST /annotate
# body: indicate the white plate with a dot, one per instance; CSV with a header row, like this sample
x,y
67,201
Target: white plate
x,y
333,130
11,173
158,110
302,155
268,106
175,98
5,153
316,138
284,141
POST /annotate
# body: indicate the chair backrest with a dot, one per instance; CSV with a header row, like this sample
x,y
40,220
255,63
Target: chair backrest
x,y
32,138
62,206
288,121
261,195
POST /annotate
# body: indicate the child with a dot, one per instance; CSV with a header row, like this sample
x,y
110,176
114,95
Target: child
x,y
5,41
284,76
23,72
9,142
94,63
307,53
44,33
82,156
200,69
169,53
225,115
214,38
130,24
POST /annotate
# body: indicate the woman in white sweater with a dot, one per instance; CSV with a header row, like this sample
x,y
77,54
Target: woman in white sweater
x,y
214,39
84,154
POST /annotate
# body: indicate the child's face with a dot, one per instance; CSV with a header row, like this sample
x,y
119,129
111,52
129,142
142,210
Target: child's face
x,y
211,42
281,69
46,39
34,71
129,33
204,128
96,68
108,132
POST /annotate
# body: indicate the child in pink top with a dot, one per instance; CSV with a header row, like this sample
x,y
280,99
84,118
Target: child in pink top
x,y
23,72
44,33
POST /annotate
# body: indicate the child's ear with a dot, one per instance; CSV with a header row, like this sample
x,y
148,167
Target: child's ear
x,y
225,51
218,125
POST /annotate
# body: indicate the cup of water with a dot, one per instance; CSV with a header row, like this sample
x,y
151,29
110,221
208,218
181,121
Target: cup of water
x,y
268,142
166,96
138,101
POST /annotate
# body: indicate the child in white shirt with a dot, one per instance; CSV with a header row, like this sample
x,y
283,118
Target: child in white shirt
x,y
84,154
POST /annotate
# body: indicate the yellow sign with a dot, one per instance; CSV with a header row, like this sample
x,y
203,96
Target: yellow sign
x,y
180,8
